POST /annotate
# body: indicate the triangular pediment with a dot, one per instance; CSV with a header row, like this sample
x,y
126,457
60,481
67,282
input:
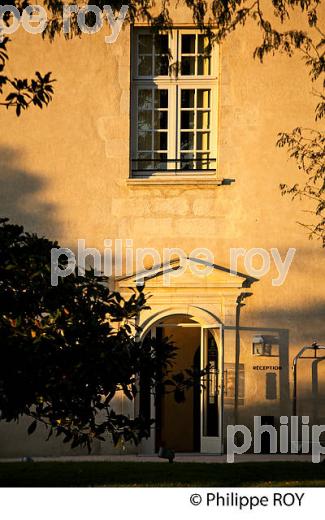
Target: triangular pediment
x,y
187,272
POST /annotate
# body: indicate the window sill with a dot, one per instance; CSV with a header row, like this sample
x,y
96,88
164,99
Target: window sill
x,y
174,180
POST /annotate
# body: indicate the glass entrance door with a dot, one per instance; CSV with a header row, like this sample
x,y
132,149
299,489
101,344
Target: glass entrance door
x,y
211,393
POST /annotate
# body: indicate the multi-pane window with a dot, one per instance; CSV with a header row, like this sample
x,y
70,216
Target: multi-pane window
x,y
152,128
194,135
195,55
174,108
153,55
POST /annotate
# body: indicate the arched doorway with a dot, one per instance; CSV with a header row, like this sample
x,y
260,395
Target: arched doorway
x,y
210,300
194,425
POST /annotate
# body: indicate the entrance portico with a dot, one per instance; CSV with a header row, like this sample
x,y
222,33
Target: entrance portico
x,y
199,301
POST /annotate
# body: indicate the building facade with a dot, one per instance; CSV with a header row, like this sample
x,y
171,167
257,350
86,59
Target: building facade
x,y
159,142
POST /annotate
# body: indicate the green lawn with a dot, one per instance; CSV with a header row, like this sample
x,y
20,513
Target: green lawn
x,y
84,474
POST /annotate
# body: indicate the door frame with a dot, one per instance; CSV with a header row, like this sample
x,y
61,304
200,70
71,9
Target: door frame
x,y
211,445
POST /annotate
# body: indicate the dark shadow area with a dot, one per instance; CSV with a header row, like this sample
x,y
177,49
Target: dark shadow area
x,y
312,316
317,397
153,474
21,196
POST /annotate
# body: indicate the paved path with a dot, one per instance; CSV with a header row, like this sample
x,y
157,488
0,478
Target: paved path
x,y
190,457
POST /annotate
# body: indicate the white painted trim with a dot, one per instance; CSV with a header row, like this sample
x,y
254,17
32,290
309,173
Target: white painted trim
x,y
213,444
205,321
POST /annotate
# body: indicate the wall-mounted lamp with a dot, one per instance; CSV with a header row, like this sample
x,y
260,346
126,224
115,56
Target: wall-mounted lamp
x,y
261,347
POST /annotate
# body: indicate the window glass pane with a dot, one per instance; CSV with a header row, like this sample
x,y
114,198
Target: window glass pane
x,y
187,119
145,120
145,65
145,161
203,98
203,45
187,161
160,140
144,140
161,98
152,110
195,60
160,161
187,98
145,99
161,119
188,66
202,140
161,65
188,43
203,66
210,391
187,140
203,161
161,44
203,120
145,42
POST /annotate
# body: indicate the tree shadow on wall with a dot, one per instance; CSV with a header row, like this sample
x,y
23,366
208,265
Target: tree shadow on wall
x,y
21,196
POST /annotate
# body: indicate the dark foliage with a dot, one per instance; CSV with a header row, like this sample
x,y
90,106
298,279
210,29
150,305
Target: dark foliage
x,y
67,351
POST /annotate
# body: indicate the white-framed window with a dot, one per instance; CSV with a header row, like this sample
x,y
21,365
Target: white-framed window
x,y
174,103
